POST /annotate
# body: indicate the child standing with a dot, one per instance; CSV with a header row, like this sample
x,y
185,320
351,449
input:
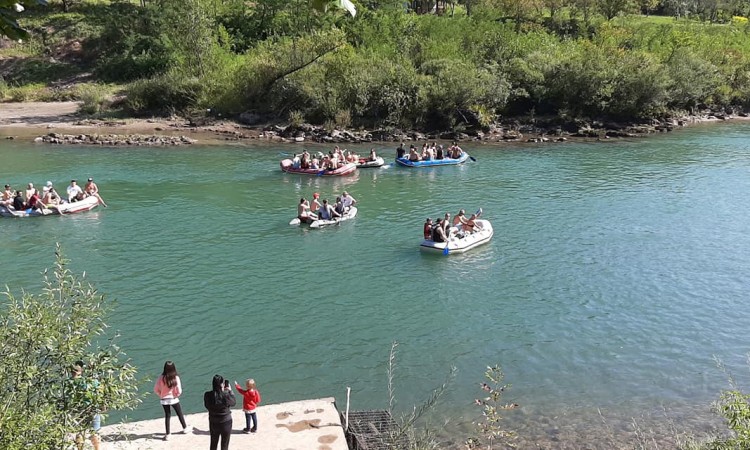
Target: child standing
x,y
169,388
251,399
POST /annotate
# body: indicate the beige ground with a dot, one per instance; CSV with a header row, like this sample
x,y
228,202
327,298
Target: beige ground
x,y
37,113
31,119
300,425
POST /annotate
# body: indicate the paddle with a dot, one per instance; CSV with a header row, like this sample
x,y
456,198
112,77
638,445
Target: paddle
x,y
472,158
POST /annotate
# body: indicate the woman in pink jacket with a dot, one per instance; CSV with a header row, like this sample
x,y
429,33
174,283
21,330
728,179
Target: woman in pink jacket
x,y
169,388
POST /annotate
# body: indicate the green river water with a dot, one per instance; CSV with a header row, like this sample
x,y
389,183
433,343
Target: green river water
x,y
618,271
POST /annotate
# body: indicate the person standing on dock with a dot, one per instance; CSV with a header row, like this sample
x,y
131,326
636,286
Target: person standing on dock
x,y
218,401
250,400
169,388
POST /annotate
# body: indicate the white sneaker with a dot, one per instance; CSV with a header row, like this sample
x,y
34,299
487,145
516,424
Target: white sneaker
x,y
187,430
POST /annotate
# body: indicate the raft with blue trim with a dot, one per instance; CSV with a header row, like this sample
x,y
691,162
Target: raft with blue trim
x,y
433,162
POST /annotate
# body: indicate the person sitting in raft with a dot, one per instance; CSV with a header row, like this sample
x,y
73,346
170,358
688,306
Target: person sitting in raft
x,y
92,189
460,219
400,151
439,152
471,225
456,151
348,200
327,212
426,152
315,207
339,207
31,190
7,197
18,202
51,198
296,162
305,161
73,191
373,155
438,232
303,211
413,155
428,229
351,157
46,188
446,223
34,202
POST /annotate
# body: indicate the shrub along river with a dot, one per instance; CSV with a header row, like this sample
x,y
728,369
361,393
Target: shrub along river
x,y
618,272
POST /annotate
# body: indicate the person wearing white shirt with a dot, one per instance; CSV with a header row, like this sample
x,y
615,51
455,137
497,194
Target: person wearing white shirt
x,y
73,191
348,200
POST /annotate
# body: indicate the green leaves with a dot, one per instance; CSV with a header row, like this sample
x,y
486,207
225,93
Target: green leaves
x,y
8,11
41,337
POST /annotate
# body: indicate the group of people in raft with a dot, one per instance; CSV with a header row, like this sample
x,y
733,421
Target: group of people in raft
x,y
309,212
429,152
335,159
440,230
32,199
217,401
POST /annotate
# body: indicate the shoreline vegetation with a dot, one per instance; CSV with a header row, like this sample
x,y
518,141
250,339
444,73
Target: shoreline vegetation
x,y
485,70
64,125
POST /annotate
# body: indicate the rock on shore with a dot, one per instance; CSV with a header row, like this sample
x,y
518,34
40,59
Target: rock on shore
x,y
114,139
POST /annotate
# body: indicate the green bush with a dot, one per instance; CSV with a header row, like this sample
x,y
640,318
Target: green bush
x,y
41,337
94,98
163,95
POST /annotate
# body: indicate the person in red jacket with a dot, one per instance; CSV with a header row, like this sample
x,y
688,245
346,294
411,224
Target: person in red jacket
x,y
251,399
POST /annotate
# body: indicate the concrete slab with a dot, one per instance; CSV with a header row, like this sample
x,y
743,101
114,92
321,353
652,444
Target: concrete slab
x,y
301,425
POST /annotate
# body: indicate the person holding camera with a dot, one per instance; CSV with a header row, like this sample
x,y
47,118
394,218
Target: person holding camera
x,y
218,401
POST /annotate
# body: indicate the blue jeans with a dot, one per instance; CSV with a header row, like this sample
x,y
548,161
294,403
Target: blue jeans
x,y
251,418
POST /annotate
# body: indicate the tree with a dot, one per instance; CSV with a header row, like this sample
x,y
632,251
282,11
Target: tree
x,y
41,337
612,8
8,10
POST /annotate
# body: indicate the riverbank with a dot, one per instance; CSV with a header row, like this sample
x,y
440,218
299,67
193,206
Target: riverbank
x,y
299,424
27,120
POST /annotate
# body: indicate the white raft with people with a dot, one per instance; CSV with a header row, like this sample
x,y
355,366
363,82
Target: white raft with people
x,y
459,240
321,214
87,204
350,214
318,223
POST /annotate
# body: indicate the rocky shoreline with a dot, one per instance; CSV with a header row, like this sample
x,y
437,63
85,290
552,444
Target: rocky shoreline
x,y
114,139
207,130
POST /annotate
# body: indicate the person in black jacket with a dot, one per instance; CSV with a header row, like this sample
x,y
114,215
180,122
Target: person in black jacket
x,y
218,401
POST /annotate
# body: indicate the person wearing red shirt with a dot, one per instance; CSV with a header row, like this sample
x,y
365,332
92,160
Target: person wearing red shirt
x,y
251,399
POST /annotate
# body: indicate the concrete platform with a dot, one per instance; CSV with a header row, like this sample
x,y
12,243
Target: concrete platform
x,y
301,425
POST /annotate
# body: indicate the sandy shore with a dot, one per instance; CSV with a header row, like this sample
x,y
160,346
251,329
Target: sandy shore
x,y
306,424
32,119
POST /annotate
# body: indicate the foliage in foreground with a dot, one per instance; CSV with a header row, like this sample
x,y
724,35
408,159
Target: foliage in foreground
x,y
41,338
734,406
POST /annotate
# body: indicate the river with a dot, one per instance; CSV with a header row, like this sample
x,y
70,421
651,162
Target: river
x,y
617,275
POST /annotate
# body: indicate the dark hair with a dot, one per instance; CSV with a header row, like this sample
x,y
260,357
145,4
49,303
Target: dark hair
x,y
170,374
217,385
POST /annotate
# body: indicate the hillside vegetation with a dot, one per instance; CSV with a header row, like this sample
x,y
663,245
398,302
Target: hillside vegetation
x,y
395,64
